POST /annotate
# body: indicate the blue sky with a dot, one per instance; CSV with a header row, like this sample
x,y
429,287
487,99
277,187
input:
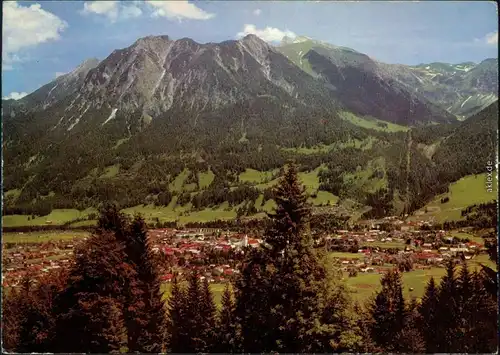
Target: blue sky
x,y
44,39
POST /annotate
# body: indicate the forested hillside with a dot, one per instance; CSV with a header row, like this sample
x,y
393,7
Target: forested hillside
x,y
195,126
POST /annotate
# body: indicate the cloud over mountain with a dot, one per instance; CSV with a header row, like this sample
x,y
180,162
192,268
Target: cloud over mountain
x,y
25,27
268,34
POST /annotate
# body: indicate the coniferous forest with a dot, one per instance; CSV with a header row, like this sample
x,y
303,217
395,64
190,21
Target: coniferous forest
x,y
284,299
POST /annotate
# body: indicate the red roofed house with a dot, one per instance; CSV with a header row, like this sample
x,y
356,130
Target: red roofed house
x,y
167,277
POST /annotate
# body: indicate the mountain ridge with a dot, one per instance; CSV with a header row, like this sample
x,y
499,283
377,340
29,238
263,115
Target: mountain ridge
x,y
161,108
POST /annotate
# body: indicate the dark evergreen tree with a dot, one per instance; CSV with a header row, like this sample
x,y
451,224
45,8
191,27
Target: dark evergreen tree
x,y
112,220
177,329
283,290
89,312
428,313
227,337
144,310
409,339
389,312
447,311
36,329
254,313
483,337
194,318
208,313
292,211
15,308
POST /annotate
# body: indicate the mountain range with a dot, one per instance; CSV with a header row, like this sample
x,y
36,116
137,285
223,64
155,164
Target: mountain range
x,y
159,115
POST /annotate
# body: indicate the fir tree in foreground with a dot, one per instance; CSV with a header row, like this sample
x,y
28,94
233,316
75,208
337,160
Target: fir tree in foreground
x,y
191,321
144,310
428,312
89,312
177,331
389,313
283,291
227,336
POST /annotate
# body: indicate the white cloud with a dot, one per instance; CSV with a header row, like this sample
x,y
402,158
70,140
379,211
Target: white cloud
x,y
25,27
112,10
179,10
104,8
59,73
492,38
130,11
268,34
15,95
257,12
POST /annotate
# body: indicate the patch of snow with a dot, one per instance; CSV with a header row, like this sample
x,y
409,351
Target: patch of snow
x,y
78,119
58,123
158,82
113,114
463,103
301,39
420,80
74,124
300,53
52,90
427,67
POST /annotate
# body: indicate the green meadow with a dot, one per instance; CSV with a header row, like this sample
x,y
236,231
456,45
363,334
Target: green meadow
x,y
465,192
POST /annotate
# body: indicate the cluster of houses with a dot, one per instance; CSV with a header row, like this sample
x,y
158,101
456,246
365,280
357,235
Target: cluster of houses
x,y
35,259
216,254
189,250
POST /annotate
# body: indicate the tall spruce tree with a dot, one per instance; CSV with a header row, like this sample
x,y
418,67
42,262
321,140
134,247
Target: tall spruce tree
x,y
89,312
227,337
281,292
428,310
255,316
389,312
177,327
292,211
447,315
144,310
209,313
409,339
36,328
483,335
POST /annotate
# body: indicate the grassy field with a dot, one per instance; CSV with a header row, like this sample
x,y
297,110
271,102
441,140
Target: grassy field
x,y
372,123
178,183
205,179
335,254
182,213
57,217
110,171
471,237
255,176
462,193
43,236
365,284
323,197
397,245
363,179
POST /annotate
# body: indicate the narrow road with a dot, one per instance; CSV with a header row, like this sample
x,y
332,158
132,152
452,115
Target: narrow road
x,y
408,159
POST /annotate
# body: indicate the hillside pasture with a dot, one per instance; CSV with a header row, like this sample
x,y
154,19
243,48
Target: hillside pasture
x,y
465,192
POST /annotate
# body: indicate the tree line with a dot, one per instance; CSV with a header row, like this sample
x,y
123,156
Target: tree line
x,y
284,299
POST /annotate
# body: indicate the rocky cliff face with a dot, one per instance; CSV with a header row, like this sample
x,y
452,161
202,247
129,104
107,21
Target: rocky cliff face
x,y
157,74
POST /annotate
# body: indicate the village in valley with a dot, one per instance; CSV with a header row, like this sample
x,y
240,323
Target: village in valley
x,y
373,247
